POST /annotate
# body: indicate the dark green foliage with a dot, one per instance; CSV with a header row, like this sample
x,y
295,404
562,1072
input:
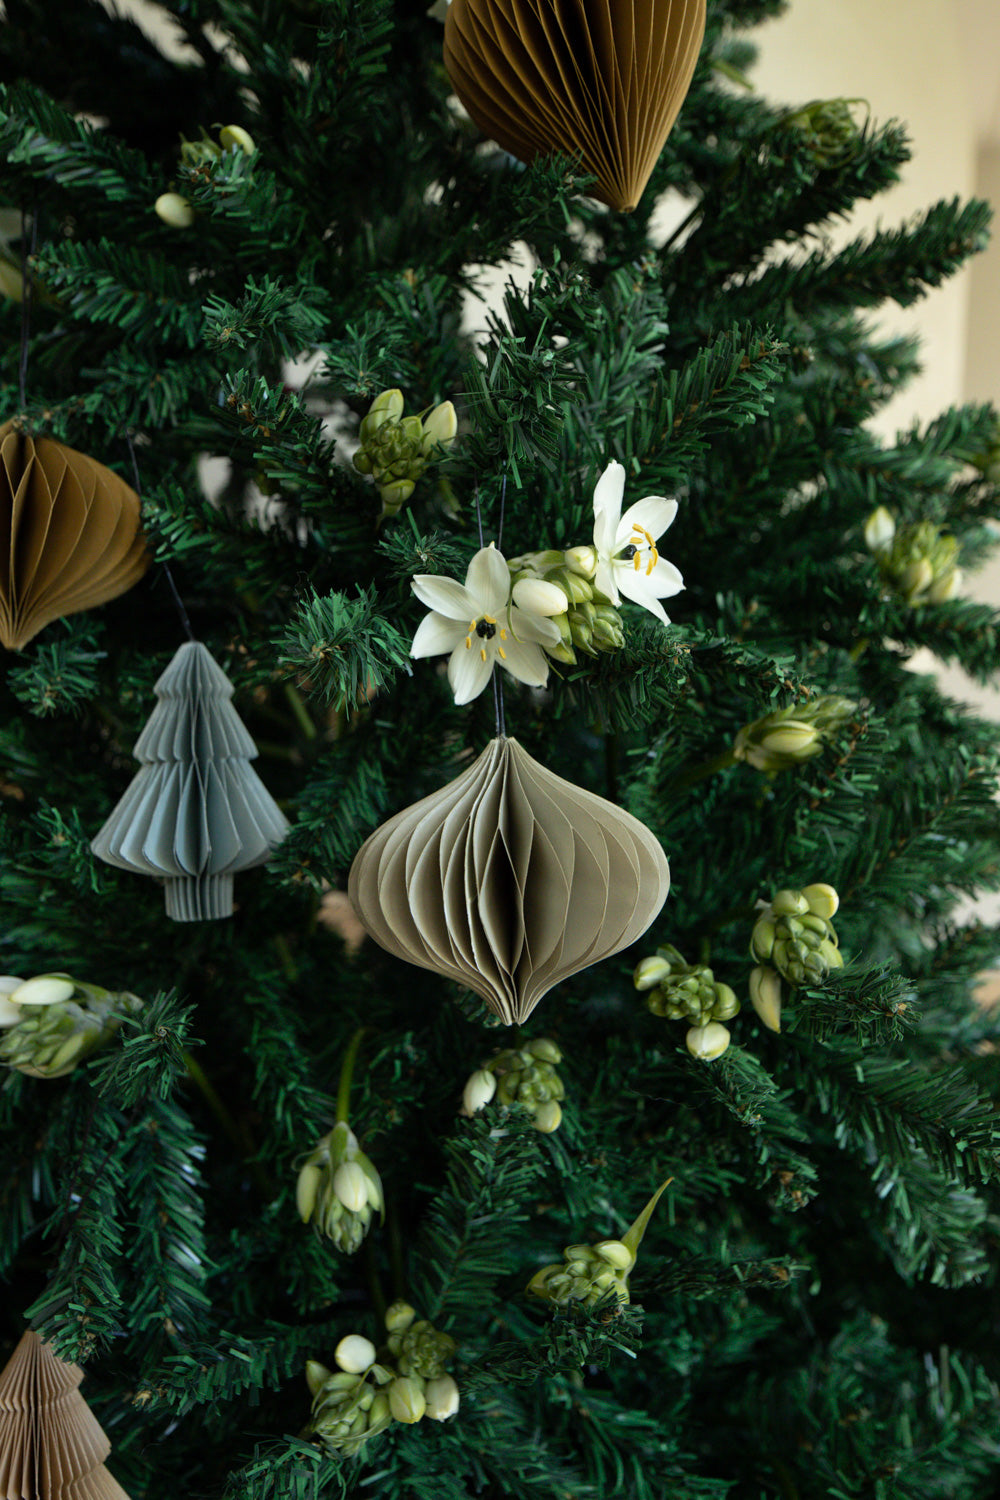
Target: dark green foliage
x,y
813,1312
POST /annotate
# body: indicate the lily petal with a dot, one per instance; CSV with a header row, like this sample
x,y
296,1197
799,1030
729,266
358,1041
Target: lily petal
x,y
533,628
447,596
635,587
468,673
437,635
654,514
604,582
526,663
664,581
488,579
608,494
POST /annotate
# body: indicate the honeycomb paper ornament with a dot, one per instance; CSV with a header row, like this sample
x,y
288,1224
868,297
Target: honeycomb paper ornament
x,y
599,79
70,534
51,1447
508,880
197,812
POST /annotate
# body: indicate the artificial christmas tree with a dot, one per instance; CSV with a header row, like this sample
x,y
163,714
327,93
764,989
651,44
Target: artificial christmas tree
x,y
813,1311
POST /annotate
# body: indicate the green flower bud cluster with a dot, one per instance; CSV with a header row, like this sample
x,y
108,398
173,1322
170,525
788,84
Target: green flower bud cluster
x,y
395,450
524,1076
199,157
917,561
826,130
403,1382
588,621
338,1189
50,1023
793,939
589,1272
789,736
681,991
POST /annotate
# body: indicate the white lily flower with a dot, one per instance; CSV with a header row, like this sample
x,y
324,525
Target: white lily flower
x,y
477,623
628,561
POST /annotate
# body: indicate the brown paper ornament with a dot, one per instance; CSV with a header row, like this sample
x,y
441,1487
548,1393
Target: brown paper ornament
x,y
600,79
51,1447
508,880
69,534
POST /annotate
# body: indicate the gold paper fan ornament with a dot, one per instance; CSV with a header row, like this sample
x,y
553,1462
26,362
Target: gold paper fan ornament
x,y
508,880
70,534
600,79
51,1446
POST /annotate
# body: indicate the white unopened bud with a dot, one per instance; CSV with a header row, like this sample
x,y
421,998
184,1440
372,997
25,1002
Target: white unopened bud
x,y
439,427
355,1354
649,972
707,1042
351,1186
174,210
765,996
823,900
479,1090
880,528
307,1190
406,1399
615,1253
46,989
316,1376
582,560
441,1398
547,1116
234,136
536,597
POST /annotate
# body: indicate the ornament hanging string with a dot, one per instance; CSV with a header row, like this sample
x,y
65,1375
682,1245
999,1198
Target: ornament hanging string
x,y
27,252
501,727
165,566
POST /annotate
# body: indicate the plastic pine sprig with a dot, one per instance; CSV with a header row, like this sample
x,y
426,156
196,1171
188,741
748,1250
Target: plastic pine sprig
x,y
338,1189
51,1022
680,991
589,1272
789,736
793,939
917,561
404,1381
524,1077
198,156
395,450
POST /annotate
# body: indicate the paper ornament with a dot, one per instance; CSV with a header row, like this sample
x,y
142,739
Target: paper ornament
x,y
197,811
69,534
508,880
599,79
51,1447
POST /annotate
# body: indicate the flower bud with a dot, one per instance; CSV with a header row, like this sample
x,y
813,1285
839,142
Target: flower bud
x,y
399,1317
174,210
707,1042
650,972
547,1117
536,597
355,1354
350,1186
823,900
307,1189
545,1049
765,996
316,1376
235,138
406,1398
880,528
45,989
582,560
789,904
726,1004
792,740
442,1398
439,427
478,1092
615,1253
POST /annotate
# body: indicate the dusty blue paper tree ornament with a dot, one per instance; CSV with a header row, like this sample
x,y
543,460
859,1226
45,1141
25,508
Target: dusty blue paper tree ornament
x,y
197,812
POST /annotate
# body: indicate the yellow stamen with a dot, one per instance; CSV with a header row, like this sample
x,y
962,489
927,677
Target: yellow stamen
x,y
468,643
503,636
654,558
482,652
489,619
501,653
642,532
637,560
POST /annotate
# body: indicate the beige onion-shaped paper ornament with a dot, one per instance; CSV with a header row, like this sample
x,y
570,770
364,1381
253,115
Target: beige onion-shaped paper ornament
x,y
51,1446
70,535
197,812
508,880
600,79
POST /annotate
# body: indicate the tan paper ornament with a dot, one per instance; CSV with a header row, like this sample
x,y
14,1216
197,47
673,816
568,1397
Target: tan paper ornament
x,y
599,79
51,1447
69,534
508,880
